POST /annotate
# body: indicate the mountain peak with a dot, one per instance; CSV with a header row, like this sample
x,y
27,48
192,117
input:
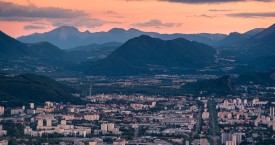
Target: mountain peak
x,y
235,33
87,31
145,37
148,55
66,28
134,30
117,30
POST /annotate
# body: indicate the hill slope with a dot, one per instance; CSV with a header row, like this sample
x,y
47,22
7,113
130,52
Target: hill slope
x,y
22,89
254,53
10,47
93,52
258,52
16,56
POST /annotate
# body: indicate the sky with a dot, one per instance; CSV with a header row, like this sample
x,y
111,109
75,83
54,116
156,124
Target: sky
x,y
23,17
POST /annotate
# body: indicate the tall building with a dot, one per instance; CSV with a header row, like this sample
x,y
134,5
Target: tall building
x,y
2,110
237,137
63,122
153,104
272,112
2,132
245,102
230,143
205,114
226,137
48,122
32,105
111,126
104,127
39,122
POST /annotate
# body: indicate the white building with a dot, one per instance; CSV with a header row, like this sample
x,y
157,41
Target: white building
x,y
91,117
48,122
231,143
104,127
2,110
111,126
205,114
272,112
32,105
2,132
119,142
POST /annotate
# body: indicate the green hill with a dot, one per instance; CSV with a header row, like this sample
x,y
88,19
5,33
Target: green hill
x,y
226,85
17,90
147,55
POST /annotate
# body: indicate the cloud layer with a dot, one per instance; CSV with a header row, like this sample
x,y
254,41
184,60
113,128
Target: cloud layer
x,y
11,10
157,24
252,15
213,1
32,27
56,16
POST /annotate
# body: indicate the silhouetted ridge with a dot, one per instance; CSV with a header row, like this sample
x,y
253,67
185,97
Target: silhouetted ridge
x,y
145,54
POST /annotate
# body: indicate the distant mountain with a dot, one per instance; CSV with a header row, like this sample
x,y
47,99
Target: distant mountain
x,y
18,90
63,37
145,55
231,40
250,53
16,56
253,32
68,37
267,33
93,52
236,38
258,52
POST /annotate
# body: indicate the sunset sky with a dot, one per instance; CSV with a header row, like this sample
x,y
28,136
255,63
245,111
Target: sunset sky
x,y
22,17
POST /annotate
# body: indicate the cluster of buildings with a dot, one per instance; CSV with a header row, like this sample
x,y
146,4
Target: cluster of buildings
x,y
146,120
245,120
137,119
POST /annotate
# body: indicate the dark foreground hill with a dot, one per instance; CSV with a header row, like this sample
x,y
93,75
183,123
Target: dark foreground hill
x,y
226,85
19,57
147,55
17,90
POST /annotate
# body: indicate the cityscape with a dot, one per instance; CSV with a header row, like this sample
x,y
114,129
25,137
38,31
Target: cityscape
x,y
137,72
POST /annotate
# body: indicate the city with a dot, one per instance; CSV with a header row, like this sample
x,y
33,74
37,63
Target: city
x,y
137,72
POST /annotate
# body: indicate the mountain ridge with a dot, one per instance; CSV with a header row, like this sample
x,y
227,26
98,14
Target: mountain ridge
x,y
153,55
67,40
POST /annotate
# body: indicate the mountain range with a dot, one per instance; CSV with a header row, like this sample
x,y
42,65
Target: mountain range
x,y
66,37
145,54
